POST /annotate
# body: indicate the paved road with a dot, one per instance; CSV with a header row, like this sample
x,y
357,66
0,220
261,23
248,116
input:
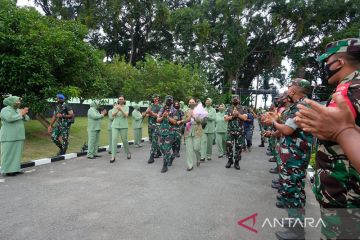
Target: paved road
x,y
93,199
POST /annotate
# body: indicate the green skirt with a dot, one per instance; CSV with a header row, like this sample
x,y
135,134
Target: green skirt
x,y
11,155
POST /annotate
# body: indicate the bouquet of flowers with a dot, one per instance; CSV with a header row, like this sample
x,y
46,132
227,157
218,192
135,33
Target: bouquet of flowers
x,y
200,112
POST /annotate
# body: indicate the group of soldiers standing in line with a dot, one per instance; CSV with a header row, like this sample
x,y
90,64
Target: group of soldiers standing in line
x,y
297,127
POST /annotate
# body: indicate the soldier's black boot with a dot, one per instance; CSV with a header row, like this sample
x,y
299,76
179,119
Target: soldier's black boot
x,y
171,160
229,163
151,159
262,144
165,168
292,232
60,152
236,165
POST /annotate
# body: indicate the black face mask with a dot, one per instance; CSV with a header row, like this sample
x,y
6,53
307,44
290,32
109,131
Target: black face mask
x,y
168,103
329,73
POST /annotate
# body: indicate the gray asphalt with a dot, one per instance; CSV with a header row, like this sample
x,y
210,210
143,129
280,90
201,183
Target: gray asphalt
x,y
130,199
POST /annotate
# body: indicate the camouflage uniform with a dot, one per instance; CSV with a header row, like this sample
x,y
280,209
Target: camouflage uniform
x,y
61,128
295,153
178,116
337,182
166,135
153,130
235,135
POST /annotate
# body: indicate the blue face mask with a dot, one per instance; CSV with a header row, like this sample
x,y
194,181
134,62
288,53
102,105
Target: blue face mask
x,y
328,72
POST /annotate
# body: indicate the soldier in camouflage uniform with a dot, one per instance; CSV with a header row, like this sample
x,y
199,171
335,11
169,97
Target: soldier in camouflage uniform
x,y
152,112
295,152
179,117
235,116
63,117
166,118
337,182
260,114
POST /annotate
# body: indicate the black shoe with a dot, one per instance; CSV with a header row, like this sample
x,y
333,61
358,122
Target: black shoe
x,y
202,159
91,157
97,156
272,159
189,169
262,145
164,169
279,205
10,174
269,153
229,163
291,233
236,165
209,158
109,152
278,197
276,185
220,156
112,161
274,170
275,181
171,161
60,152
151,159
128,156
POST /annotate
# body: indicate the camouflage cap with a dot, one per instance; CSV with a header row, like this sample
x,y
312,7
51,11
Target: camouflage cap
x,y
155,95
235,96
303,83
341,46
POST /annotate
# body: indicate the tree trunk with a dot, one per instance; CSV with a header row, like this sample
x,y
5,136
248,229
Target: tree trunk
x,y
41,118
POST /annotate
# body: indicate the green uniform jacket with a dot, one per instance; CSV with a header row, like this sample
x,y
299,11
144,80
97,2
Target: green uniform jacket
x,y
94,119
111,119
210,126
120,121
221,124
12,128
137,119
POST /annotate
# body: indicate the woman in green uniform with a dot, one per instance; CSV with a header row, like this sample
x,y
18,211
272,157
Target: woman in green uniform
x,y
120,127
137,122
94,127
221,130
193,133
12,135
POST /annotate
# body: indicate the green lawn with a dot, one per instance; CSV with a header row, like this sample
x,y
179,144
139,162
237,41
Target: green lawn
x,y
39,145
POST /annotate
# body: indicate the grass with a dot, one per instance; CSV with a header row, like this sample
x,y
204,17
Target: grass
x,y
38,143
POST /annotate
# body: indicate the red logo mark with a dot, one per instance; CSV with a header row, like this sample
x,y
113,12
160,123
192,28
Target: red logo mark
x,y
253,217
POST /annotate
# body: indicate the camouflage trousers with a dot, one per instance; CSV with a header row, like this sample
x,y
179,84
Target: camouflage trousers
x,y
272,144
166,143
60,136
234,146
154,136
340,223
292,192
177,141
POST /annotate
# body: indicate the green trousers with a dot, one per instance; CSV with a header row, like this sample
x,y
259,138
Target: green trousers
x,y
193,146
11,155
137,136
123,132
221,143
93,142
110,139
207,140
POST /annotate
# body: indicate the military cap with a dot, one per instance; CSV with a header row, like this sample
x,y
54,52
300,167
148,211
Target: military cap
x,y
342,46
303,83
